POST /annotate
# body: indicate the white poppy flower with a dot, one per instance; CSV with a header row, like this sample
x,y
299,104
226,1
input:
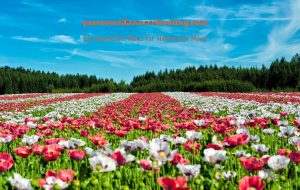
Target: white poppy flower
x,y
264,174
189,171
19,182
30,140
283,123
254,138
160,150
142,119
102,163
278,162
213,156
294,140
193,135
241,153
165,138
31,125
52,181
72,143
268,131
229,174
134,145
242,130
200,122
179,140
287,131
6,139
260,148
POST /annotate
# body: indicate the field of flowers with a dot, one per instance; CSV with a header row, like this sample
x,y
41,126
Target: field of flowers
x,y
172,141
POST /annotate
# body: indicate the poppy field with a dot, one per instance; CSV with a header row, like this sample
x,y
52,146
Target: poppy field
x,y
171,141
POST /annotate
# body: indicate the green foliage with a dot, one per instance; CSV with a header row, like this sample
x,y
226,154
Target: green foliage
x,y
224,86
67,90
280,76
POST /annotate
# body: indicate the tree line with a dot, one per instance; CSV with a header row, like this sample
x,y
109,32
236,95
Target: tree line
x,y
282,75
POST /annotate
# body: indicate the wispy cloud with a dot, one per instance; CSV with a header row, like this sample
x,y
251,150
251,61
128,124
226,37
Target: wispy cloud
x,y
244,12
52,39
115,58
37,6
67,57
281,40
28,39
62,39
62,20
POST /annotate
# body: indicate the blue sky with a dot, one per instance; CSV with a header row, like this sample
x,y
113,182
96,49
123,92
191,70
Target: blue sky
x,y
47,35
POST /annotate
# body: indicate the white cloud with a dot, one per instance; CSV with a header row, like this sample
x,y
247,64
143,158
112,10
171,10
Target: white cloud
x,y
282,39
67,57
52,39
115,58
244,12
227,46
33,5
29,39
62,20
62,39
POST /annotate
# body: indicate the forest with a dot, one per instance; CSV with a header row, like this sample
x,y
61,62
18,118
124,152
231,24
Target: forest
x,y
281,75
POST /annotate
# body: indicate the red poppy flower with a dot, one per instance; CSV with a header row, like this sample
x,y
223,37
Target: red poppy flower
x,y
54,140
284,152
178,159
265,159
27,120
168,183
55,147
23,151
214,146
297,123
192,146
295,157
251,182
38,149
252,164
42,182
65,175
76,154
145,164
51,156
121,133
6,162
219,128
283,114
98,139
51,152
236,140
119,158
50,173
84,133
275,121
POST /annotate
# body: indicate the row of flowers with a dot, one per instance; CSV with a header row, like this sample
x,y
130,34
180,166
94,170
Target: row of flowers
x,y
236,107
21,106
20,96
34,99
151,140
258,97
57,110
